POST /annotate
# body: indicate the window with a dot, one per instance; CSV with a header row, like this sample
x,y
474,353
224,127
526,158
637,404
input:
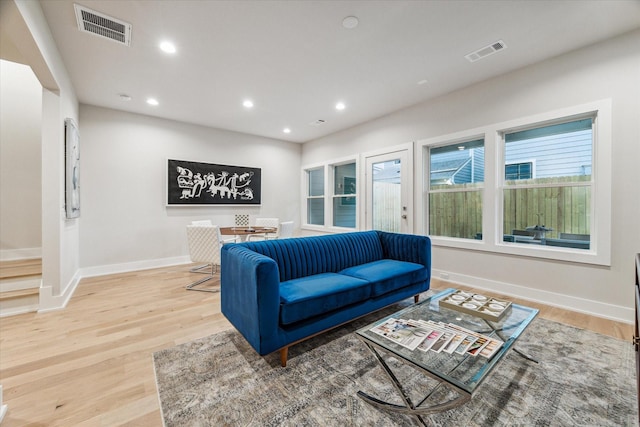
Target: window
x,y
518,171
456,182
315,196
554,207
336,207
545,192
344,195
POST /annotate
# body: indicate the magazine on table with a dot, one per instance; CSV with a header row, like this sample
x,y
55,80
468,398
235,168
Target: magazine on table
x,y
427,335
431,339
491,348
442,342
466,343
477,346
483,345
407,333
440,336
458,337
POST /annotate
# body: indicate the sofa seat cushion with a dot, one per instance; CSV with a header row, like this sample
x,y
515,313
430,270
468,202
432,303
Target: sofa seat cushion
x,y
309,296
388,275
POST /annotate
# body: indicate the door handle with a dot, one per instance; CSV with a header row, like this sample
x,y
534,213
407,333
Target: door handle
x,y
404,217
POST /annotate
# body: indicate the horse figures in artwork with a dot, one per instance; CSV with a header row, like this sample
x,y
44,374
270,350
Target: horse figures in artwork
x,y
225,185
229,186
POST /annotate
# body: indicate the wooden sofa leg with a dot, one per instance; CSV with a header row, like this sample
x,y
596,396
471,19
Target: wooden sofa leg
x,y
284,353
416,298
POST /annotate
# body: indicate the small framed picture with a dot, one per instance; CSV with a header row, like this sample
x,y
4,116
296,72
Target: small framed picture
x,y
72,169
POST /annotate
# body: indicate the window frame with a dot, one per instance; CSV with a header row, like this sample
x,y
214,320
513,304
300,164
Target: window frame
x,y
479,187
307,196
492,241
531,162
329,195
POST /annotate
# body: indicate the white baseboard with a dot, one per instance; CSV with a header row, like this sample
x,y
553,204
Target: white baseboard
x,y
103,270
50,302
567,302
16,254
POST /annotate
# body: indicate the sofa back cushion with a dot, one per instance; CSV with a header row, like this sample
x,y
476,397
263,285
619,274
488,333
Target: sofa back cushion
x,y
306,256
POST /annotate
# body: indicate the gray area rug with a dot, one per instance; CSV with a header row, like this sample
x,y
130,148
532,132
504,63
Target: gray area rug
x,y
583,379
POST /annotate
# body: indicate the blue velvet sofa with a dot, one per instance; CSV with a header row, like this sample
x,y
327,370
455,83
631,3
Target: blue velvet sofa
x,y
279,292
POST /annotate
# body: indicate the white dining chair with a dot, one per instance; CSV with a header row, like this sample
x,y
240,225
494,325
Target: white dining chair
x,y
242,220
205,243
265,222
286,230
200,268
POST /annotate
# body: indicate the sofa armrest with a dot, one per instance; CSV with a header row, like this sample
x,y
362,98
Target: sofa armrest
x,y
250,293
406,247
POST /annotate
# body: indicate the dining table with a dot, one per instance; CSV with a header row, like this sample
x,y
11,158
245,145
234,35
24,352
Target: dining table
x,y
245,232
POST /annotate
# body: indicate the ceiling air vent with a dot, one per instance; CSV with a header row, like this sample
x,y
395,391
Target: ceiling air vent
x,y
486,51
102,25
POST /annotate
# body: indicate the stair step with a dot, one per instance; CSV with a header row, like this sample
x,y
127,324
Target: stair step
x,y
20,268
4,296
20,286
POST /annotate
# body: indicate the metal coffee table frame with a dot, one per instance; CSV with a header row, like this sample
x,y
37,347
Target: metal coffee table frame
x,y
459,373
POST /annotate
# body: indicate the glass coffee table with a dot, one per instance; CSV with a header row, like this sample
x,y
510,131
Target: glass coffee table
x,y
461,374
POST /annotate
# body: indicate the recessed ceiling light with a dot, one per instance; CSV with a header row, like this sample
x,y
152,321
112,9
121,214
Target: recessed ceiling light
x,y
350,22
286,130
152,101
422,82
247,103
168,47
340,106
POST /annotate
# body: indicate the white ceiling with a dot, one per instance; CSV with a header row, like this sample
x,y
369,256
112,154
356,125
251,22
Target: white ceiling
x,y
295,60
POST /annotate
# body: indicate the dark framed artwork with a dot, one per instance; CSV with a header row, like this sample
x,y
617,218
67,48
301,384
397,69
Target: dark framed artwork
x,y
196,183
72,169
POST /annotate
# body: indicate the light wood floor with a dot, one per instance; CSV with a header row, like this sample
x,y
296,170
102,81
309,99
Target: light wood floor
x,y
91,363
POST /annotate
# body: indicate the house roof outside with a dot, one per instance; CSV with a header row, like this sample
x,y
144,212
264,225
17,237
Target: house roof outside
x,y
443,172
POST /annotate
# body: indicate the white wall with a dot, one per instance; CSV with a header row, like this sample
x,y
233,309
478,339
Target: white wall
x,y
20,162
24,23
607,70
125,221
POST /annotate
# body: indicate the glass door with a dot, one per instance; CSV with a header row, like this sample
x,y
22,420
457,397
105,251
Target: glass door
x,y
387,182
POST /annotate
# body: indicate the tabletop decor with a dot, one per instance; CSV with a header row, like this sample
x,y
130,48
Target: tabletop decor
x,y
195,183
476,304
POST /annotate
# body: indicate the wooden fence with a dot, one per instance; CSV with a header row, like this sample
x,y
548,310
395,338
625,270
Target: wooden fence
x,y
386,206
564,208
457,214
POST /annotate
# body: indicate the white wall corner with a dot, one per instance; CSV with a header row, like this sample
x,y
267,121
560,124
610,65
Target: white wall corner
x,y
51,302
567,302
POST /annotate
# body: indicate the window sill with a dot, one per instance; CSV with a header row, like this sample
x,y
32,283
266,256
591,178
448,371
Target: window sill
x,y
324,229
551,253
